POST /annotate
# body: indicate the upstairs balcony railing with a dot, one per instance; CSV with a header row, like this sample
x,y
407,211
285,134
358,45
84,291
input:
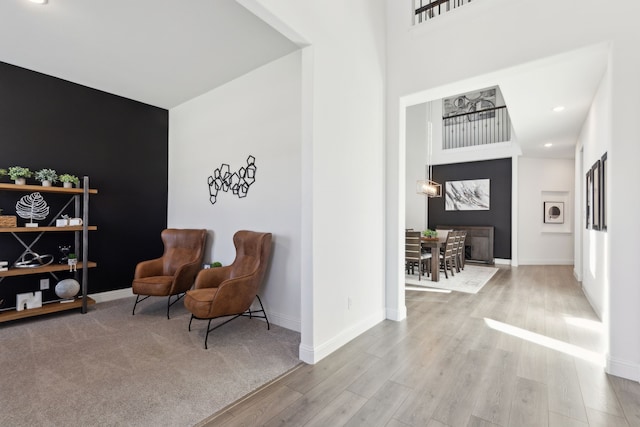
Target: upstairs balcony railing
x,y
488,126
428,9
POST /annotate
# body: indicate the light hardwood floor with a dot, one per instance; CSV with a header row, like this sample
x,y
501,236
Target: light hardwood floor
x,y
525,351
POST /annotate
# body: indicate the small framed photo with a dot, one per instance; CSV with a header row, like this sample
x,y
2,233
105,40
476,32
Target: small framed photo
x,y
554,212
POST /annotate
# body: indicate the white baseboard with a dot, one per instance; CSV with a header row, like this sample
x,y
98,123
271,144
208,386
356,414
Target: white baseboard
x,y
594,306
554,261
396,315
623,368
112,295
502,261
285,321
313,355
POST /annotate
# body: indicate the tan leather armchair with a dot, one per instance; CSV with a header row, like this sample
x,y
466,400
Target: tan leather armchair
x,y
174,272
230,290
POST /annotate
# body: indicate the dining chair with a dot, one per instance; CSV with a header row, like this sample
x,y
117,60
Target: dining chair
x,y
448,255
413,254
460,256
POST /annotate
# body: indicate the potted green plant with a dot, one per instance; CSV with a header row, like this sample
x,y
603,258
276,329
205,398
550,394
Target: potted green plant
x,y
430,234
216,264
3,172
72,260
69,180
47,177
19,174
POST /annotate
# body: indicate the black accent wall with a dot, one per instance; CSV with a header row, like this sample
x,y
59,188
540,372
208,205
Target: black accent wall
x,y
122,145
499,215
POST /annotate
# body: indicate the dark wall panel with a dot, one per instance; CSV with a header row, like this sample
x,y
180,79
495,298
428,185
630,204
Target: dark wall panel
x,y
122,145
499,214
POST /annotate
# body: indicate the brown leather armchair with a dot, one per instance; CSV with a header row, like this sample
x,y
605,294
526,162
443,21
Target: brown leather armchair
x,y
174,272
230,290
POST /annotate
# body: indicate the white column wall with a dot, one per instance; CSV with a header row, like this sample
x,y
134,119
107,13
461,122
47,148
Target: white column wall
x,y
416,212
573,24
257,114
343,173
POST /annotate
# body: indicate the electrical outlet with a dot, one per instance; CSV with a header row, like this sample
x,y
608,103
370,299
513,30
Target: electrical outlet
x,y
44,284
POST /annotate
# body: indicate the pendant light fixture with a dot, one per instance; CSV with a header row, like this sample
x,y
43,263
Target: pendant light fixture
x,y
428,186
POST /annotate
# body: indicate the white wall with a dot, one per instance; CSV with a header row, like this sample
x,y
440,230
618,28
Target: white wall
x,y
416,212
343,164
542,180
594,141
443,64
257,114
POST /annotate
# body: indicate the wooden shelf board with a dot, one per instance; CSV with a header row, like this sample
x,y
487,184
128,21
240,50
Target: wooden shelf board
x,y
41,229
31,188
54,307
45,269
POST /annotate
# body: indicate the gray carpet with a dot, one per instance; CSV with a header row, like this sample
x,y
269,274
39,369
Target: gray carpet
x,y
109,368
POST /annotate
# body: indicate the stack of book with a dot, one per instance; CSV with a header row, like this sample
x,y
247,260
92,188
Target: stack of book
x,y
4,265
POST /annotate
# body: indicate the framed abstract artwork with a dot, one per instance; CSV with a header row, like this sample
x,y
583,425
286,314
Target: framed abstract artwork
x,y
469,195
554,212
588,198
603,192
595,195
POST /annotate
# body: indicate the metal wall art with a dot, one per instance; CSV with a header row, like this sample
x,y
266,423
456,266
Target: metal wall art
x,y
237,182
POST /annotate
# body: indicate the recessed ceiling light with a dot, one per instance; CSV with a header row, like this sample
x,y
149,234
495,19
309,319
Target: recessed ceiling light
x,y
558,108
39,1
548,144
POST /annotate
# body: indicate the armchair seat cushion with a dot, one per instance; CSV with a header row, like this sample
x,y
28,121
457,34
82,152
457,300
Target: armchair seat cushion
x,y
198,301
153,285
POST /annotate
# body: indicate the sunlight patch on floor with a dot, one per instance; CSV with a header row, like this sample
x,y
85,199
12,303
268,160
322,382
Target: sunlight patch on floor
x,y
551,343
591,325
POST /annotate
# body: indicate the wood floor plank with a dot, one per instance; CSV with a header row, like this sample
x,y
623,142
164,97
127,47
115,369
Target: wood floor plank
x,y
497,388
479,422
565,396
338,411
603,419
381,407
317,398
529,407
559,420
262,409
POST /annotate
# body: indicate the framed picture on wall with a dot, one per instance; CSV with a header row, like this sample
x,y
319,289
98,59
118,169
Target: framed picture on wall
x,y
554,212
603,192
588,198
595,172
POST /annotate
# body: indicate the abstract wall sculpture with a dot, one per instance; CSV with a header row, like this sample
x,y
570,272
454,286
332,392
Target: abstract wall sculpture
x,y
238,182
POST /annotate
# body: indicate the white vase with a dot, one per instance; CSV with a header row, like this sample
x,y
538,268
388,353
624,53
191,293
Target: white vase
x,y
46,183
20,181
67,184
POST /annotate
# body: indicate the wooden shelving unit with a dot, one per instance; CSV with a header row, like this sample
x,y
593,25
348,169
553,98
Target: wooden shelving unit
x,y
53,307
81,203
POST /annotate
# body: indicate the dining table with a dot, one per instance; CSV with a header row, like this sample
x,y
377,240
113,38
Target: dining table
x,y
435,243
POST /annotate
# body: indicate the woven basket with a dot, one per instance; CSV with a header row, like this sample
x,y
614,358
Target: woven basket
x,y
8,221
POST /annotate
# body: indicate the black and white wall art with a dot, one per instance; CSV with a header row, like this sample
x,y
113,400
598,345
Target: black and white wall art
x,y
554,212
468,195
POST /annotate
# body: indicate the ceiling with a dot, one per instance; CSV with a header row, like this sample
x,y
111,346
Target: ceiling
x,y
533,90
165,52
160,52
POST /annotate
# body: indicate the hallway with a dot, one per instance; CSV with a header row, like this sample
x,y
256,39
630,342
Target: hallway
x,y
525,351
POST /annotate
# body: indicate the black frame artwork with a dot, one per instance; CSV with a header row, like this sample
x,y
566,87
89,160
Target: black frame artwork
x,y
550,218
588,198
595,195
603,192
